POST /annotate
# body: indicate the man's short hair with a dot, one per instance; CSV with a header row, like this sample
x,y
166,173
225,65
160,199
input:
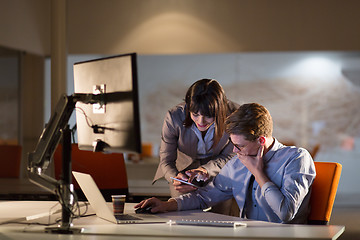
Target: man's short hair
x,y
251,120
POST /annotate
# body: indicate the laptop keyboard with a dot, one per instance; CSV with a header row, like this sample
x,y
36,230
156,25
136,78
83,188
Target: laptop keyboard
x,y
126,217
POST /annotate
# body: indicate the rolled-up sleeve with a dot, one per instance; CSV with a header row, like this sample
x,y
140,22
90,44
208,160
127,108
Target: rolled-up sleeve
x,y
267,187
286,196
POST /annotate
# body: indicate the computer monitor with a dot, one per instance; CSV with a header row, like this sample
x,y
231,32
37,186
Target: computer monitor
x,y
114,124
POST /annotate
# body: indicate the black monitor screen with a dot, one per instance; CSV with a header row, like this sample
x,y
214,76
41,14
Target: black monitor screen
x,y
113,124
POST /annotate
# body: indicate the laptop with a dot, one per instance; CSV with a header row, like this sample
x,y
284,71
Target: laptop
x,y
101,208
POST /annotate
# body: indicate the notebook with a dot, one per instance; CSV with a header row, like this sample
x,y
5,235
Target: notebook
x,y
101,208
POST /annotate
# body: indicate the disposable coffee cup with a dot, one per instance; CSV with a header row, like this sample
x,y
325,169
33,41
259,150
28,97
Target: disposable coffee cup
x,y
118,203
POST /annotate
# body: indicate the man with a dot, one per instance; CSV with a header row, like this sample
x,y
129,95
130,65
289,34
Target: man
x,y
269,181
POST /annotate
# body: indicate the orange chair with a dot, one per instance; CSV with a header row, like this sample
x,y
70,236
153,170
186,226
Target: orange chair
x,y
324,191
10,159
108,170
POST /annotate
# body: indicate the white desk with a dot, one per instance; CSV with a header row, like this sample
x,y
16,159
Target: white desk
x,y
96,228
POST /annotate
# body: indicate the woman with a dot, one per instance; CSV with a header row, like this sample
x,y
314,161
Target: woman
x,y
193,141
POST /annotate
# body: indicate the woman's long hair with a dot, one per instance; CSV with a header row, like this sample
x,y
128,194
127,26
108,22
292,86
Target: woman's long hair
x,y
207,97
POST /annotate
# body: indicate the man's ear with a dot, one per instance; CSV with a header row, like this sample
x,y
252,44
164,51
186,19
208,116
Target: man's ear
x,y
262,140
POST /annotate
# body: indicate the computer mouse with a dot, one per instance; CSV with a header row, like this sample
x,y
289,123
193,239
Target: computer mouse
x,y
145,210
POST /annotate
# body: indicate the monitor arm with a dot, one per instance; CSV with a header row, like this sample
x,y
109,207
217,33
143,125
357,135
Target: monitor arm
x,y
39,160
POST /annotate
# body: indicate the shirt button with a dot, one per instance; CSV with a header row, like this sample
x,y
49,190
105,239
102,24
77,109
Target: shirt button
x,y
254,205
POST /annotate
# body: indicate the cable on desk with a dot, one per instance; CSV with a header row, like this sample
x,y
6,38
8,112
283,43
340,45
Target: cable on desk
x,y
74,209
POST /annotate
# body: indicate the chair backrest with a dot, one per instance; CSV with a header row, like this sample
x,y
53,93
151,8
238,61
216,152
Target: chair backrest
x,y
323,192
10,159
108,170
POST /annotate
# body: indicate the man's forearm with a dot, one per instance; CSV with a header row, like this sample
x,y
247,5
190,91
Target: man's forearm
x,y
261,178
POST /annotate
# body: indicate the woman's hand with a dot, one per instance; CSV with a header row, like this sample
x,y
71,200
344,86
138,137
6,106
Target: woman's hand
x,y
199,173
181,187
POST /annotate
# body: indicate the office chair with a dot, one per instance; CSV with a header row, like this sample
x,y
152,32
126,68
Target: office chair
x,y
323,192
10,158
108,170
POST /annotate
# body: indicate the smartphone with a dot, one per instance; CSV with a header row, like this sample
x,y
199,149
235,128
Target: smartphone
x,y
186,182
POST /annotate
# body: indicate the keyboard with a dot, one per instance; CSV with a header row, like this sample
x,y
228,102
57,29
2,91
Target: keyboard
x,y
126,217
213,223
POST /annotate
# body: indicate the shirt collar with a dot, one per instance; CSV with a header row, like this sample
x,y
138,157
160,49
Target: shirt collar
x,y
276,146
197,131
204,144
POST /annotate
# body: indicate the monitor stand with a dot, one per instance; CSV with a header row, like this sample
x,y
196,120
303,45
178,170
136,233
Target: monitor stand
x,y
66,198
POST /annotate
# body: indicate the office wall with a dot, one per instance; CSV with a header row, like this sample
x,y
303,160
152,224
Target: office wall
x,y
184,27
21,99
211,26
31,104
9,98
25,25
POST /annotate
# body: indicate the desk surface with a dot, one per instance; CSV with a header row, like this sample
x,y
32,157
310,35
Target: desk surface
x,y
96,228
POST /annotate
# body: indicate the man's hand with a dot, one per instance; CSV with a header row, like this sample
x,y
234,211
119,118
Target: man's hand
x,y
157,205
255,165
